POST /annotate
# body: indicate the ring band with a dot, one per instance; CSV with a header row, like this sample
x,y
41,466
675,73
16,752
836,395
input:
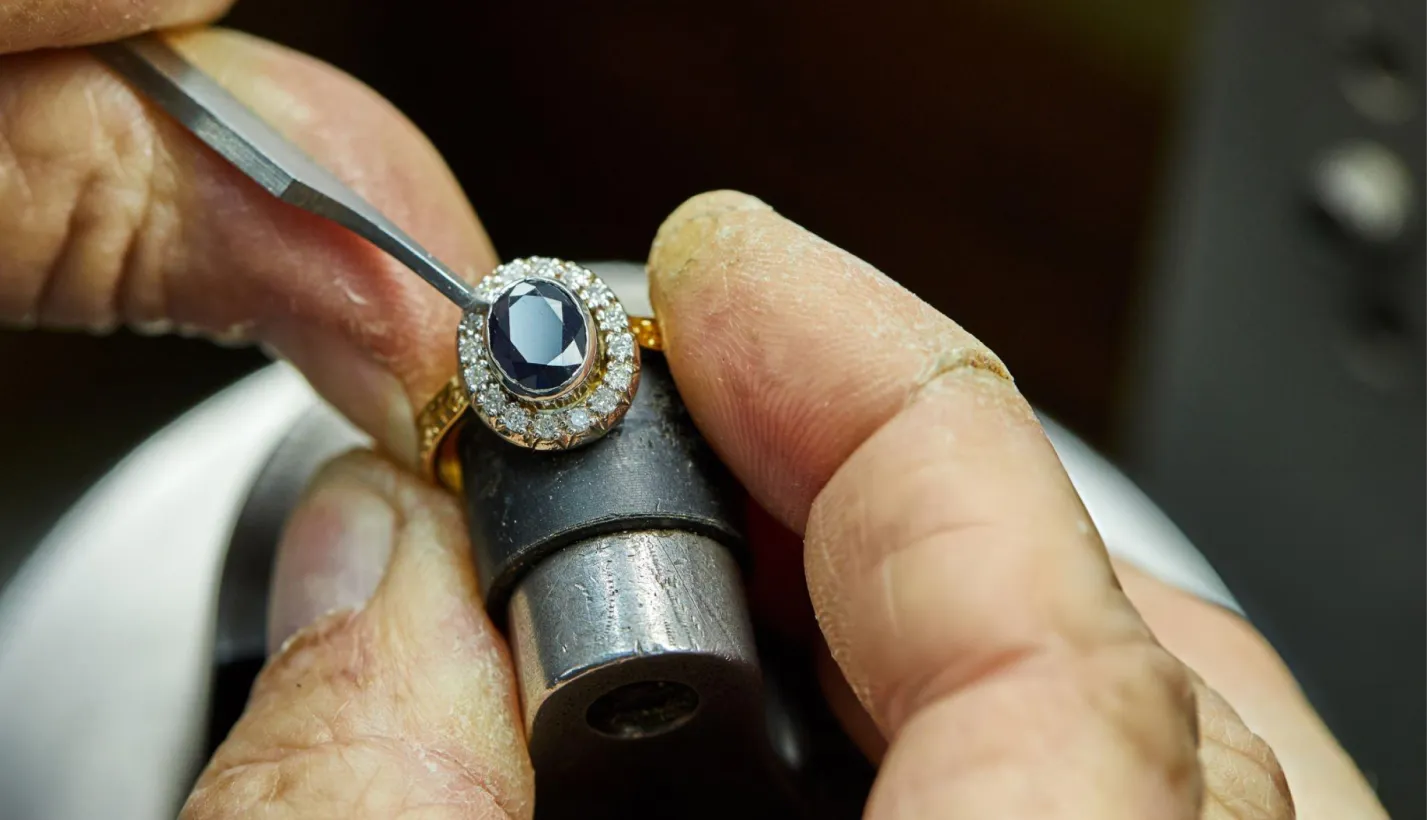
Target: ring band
x,y
444,414
434,424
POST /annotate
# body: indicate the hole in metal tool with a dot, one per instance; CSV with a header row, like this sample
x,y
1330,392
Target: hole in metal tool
x,y
643,709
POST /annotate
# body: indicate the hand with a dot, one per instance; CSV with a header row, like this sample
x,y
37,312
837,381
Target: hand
x,y
995,666
982,649
112,214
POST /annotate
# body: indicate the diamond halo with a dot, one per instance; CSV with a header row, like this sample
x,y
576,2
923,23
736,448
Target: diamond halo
x,y
597,397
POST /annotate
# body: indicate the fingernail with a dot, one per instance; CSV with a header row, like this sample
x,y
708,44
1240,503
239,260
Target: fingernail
x,y
333,554
691,226
369,395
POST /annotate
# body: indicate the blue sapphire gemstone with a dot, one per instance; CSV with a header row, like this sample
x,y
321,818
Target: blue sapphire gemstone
x,y
539,337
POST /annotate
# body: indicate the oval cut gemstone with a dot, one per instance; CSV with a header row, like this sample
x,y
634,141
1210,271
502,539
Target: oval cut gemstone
x,y
539,337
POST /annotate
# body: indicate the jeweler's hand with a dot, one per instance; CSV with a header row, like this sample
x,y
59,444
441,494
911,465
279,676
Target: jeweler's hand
x,y
982,646
996,668
112,214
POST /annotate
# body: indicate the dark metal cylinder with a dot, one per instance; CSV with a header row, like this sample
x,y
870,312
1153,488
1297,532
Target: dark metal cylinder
x,y
615,571
652,472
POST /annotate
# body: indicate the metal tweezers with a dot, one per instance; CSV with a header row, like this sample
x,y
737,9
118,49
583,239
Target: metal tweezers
x,y
251,145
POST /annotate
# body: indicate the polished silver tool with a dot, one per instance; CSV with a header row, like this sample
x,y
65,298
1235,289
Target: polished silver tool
x,y
253,147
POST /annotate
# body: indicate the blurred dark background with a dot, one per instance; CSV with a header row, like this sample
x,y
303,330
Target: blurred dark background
x,y
1194,231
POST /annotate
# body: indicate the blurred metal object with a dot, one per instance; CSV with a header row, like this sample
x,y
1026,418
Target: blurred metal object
x,y
1374,75
1366,190
580,616
635,654
253,147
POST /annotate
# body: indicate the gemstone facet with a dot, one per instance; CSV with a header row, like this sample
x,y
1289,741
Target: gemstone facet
x,y
546,355
539,338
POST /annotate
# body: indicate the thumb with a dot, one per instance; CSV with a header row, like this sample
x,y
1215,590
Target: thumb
x,y
403,704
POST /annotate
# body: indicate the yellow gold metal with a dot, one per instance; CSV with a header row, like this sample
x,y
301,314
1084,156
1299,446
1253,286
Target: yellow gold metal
x,y
444,414
646,332
448,465
434,425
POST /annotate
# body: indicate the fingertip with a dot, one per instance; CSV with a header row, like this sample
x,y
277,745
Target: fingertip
x,y
690,228
62,23
767,328
335,546
333,553
411,683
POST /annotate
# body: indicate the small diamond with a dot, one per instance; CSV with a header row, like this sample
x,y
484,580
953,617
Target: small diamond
x,y
619,376
469,353
488,288
474,376
500,279
613,318
491,399
471,325
622,346
577,277
597,295
578,419
515,417
546,426
604,401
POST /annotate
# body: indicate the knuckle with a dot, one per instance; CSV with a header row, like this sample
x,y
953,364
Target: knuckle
x,y
1146,696
1247,785
357,779
1242,775
332,729
79,203
1146,693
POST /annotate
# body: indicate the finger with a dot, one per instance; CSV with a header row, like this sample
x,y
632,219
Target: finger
x,y
30,24
958,580
333,554
1236,661
403,705
111,213
1242,775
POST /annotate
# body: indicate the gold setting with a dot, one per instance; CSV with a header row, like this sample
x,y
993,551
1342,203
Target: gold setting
x,y
446,412
436,422
594,405
646,332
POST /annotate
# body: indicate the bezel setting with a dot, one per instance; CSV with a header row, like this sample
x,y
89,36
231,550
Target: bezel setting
x,y
578,413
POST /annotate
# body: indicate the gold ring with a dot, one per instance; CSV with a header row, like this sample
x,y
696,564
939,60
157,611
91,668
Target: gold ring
x,y
444,414
434,424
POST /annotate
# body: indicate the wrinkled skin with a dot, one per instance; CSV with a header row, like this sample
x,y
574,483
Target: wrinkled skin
x,y
982,646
